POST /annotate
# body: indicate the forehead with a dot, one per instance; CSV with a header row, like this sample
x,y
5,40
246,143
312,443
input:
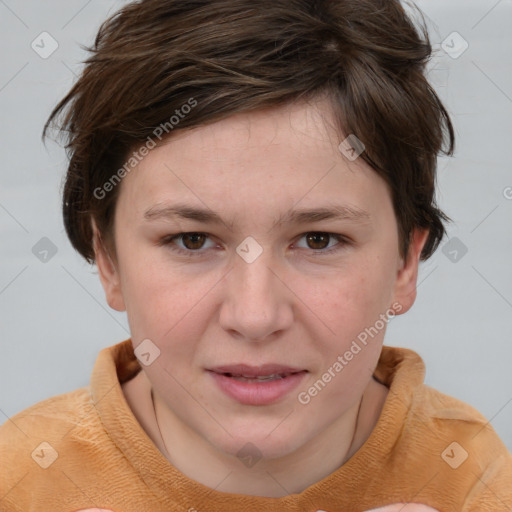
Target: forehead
x,y
255,161
301,125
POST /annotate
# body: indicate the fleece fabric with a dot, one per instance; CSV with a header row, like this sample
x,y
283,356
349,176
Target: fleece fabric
x,y
86,450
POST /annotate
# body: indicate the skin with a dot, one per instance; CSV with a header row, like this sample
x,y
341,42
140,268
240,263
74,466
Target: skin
x,y
294,305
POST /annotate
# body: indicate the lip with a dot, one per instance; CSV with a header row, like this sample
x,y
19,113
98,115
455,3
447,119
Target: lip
x,y
255,371
257,392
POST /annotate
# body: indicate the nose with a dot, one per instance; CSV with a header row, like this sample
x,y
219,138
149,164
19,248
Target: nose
x,y
257,302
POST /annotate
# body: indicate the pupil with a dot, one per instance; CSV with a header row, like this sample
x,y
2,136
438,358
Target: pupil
x,y
194,237
315,237
197,240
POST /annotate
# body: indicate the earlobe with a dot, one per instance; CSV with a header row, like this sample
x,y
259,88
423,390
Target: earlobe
x,y
108,272
407,276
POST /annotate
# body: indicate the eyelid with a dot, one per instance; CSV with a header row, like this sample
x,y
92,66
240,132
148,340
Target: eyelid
x,y
169,240
342,240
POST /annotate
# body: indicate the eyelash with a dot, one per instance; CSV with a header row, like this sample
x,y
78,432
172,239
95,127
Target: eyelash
x,y
169,242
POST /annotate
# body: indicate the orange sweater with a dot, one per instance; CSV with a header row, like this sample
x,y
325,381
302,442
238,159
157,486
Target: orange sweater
x,y
85,449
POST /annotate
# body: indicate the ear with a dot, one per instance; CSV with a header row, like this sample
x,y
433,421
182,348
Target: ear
x,y
407,276
108,272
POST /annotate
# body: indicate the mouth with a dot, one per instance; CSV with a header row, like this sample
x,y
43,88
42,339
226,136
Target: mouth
x,y
257,385
259,378
269,371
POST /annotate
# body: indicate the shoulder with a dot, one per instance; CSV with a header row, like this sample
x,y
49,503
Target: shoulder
x,y
444,440
55,414
35,438
451,418
463,447
444,414
430,410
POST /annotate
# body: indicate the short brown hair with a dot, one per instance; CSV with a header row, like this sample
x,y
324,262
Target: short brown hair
x,y
150,58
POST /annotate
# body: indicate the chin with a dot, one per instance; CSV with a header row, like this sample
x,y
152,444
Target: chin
x,y
256,442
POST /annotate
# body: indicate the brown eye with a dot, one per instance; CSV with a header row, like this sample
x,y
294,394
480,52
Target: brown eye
x,y
318,240
193,241
191,244
321,243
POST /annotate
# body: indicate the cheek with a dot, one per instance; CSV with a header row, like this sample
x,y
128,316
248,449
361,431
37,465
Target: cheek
x,y
352,298
159,299
171,306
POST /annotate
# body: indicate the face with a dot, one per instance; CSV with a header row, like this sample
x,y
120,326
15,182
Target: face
x,y
255,241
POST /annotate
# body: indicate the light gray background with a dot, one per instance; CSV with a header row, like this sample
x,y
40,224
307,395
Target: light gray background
x,y
53,315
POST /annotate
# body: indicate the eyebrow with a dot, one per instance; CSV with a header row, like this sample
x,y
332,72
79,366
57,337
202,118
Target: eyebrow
x,y
297,216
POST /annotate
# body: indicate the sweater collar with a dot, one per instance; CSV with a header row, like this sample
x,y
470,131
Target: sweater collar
x,y
401,370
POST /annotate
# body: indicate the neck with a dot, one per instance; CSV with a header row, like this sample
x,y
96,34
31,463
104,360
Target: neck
x,y
269,478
